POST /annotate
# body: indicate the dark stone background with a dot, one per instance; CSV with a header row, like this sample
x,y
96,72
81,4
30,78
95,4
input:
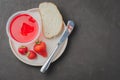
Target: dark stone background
x,y
93,51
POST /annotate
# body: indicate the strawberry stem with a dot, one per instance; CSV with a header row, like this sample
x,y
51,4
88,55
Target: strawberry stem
x,y
27,54
22,46
38,42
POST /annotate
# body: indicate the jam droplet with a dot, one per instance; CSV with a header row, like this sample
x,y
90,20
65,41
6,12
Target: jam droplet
x,y
31,20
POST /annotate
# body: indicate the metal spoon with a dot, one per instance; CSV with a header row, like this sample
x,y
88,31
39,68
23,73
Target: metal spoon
x,y
66,33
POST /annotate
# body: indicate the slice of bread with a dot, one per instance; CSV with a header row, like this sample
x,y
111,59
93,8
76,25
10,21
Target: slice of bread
x,y
51,19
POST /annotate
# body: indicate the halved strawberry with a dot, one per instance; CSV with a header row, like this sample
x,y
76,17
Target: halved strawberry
x,y
23,50
31,54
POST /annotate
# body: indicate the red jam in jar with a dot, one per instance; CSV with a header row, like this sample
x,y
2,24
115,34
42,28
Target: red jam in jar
x,y
23,28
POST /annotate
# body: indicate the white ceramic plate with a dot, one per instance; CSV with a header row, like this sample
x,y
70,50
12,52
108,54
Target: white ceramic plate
x,y
51,44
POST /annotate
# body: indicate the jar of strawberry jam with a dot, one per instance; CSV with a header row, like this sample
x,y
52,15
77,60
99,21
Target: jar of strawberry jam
x,y
22,27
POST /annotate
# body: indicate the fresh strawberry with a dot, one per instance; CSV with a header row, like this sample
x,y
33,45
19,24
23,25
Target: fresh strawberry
x,y
40,48
23,50
31,54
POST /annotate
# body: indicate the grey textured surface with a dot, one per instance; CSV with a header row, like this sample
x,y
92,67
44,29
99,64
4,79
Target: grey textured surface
x,y
93,51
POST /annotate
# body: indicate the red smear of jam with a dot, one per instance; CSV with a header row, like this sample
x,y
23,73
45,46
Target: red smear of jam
x,y
23,28
26,29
